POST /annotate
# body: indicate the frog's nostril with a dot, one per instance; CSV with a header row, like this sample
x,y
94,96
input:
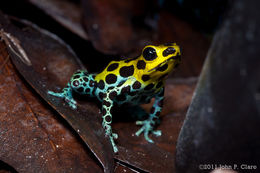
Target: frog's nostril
x,y
168,51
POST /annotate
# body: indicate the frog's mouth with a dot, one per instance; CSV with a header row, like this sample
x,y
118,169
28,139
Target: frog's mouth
x,y
161,65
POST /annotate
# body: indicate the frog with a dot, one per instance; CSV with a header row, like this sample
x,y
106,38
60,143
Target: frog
x,y
131,81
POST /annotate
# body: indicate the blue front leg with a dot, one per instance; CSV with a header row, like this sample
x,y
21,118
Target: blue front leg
x,y
107,105
153,119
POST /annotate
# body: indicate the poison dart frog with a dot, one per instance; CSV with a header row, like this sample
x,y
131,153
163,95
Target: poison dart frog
x,y
134,81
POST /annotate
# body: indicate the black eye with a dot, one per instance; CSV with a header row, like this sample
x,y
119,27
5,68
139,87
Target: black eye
x,y
149,54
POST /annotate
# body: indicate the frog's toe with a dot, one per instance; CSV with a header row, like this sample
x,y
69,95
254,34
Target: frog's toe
x,y
146,133
112,137
139,122
72,103
157,132
140,130
146,127
73,106
56,94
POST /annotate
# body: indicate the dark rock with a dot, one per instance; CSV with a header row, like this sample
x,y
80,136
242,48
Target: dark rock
x,y
223,122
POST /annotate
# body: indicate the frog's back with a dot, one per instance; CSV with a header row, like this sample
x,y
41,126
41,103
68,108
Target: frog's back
x,y
144,75
116,72
115,76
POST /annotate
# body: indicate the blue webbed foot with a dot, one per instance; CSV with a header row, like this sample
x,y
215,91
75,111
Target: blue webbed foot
x,y
146,129
112,136
72,103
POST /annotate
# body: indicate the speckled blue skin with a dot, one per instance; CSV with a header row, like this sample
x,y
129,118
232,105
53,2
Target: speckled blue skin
x,y
84,84
133,81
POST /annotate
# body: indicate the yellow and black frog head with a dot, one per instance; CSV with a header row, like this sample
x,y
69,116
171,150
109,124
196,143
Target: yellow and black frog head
x,y
153,65
160,60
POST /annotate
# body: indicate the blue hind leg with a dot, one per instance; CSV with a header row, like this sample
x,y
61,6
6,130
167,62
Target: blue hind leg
x,y
79,82
67,95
